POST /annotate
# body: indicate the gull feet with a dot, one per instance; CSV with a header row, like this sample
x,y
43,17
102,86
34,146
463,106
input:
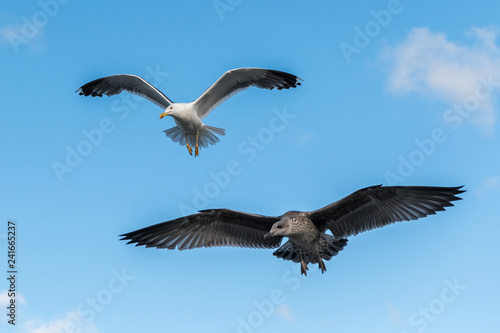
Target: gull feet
x,y
196,151
303,268
322,265
190,150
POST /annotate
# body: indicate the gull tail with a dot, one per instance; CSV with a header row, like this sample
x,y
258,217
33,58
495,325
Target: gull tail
x,y
176,134
327,247
207,136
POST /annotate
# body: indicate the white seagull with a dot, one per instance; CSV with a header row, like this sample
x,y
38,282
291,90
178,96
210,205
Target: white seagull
x,y
190,130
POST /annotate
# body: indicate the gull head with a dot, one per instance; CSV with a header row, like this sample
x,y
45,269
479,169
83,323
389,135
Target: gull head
x,y
170,111
280,228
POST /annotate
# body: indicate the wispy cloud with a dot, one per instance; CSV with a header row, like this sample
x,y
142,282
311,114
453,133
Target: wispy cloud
x,y
489,183
72,322
303,138
394,315
5,299
284,311
430,64
27,31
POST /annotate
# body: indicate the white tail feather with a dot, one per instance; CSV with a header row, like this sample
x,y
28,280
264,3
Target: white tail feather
x,y
206,137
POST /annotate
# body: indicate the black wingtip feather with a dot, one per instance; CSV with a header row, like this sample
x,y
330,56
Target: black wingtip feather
x,y
377,206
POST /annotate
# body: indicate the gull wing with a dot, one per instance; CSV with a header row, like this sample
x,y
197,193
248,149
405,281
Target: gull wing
x,y
236,80
115,84
208,228
377,206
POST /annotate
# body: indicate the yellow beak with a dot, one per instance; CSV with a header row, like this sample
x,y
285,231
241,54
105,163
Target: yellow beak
x,y
164,114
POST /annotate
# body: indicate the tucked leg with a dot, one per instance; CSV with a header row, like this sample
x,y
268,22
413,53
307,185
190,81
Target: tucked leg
x,y
190,150
196,150
303,266
321,265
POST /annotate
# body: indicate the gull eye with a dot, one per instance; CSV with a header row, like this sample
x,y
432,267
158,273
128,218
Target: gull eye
x,y
279,226
171,107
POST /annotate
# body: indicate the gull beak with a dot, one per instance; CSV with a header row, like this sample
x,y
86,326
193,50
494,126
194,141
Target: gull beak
x,y
164,114
267,235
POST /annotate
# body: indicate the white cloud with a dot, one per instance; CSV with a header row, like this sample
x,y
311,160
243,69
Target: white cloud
x,y
15,37
72,322
9,31
8,26
487,184
285,312
23,33
303,138
5,299
394,315
429,63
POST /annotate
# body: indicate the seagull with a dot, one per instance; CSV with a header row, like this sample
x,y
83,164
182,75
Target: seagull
x,y
366,209
190,129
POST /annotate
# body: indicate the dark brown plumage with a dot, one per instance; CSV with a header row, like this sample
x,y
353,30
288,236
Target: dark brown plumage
x,y
366,209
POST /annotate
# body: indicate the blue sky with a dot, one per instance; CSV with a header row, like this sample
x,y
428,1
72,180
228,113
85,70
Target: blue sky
x,y
394,93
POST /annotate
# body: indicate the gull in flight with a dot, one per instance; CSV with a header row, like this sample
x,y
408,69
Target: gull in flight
x,y
190,130
366,209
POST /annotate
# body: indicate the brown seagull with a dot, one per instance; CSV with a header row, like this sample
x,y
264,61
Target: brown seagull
x,y
366,209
